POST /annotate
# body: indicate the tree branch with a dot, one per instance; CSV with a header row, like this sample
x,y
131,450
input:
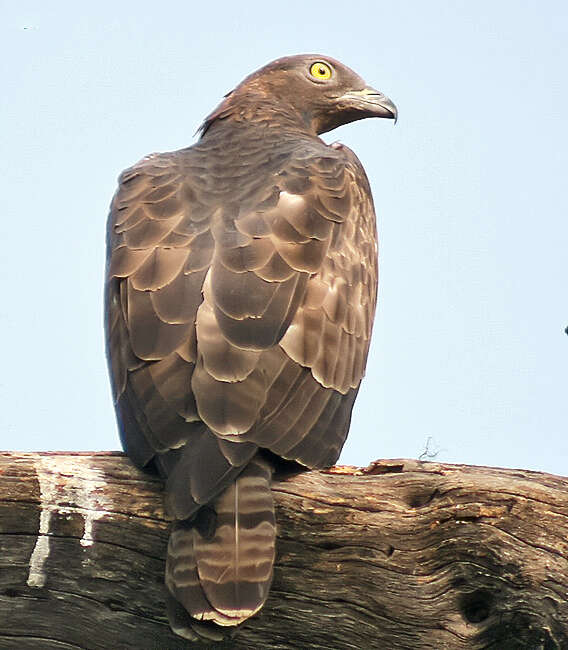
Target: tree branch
x,y
402,554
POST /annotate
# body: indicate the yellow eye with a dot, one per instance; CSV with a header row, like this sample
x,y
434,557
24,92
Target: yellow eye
x,y
320,70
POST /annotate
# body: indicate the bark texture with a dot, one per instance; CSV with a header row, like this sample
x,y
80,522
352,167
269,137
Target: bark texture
x,y
402,554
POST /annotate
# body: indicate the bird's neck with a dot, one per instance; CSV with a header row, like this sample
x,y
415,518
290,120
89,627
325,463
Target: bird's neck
x,y
272,116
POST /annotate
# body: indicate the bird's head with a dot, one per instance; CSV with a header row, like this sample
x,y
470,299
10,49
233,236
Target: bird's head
x,y
319,92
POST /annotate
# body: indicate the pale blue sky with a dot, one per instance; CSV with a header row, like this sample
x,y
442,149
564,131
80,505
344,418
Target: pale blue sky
x,y
470,189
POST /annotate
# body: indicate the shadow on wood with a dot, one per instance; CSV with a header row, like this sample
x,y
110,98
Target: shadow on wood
x,y
402,554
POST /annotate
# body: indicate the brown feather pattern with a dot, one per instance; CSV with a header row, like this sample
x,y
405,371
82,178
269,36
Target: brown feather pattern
x,y
240,295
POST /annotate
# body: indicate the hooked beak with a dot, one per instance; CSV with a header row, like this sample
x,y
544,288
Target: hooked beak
x,y
371,102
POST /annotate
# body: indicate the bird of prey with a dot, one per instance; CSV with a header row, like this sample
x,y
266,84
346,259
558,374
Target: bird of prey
x,y
240,294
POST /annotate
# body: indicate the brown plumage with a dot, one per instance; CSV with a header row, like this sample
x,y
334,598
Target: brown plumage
x,y
240,295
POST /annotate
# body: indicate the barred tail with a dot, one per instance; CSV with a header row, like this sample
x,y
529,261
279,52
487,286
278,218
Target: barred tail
x,y
219,565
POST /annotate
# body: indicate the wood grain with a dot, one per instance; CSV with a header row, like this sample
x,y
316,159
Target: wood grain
x,y
402,554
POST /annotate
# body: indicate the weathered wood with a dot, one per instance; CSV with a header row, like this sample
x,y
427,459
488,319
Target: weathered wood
x,y
402,554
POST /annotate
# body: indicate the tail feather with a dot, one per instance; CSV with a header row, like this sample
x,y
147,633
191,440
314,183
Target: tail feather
x,y
222,573
192,483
